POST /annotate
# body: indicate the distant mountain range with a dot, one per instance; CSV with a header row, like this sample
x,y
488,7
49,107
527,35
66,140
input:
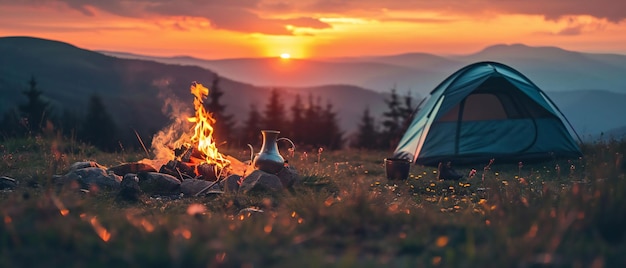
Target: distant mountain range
x,y
589,88
552,69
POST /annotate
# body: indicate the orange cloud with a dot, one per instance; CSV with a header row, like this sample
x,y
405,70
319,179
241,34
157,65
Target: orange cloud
x,y
272,17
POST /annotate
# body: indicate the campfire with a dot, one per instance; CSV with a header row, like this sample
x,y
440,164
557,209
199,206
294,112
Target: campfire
x,y
193,154
188,162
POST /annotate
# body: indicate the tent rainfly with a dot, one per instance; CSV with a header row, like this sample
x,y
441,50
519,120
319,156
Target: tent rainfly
x,y
484,111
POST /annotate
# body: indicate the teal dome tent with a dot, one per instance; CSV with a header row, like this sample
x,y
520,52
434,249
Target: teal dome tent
x,y
487,110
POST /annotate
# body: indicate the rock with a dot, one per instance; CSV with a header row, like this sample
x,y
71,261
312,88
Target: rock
x,y
84,164
92,176
7,183
158,183
288,176
261,181
129,188
134,167
230,184
194,187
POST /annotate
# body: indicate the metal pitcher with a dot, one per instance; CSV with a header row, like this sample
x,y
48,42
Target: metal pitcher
x,y
269,159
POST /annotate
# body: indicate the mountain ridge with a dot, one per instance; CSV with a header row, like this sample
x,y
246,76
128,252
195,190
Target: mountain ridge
x,y
130,87
551,68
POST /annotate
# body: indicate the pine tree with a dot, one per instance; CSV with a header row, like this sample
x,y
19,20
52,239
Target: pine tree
x,y
36,111
332,136
392,122
367,135
297,122
312,117
274,114
406,112
98,127
224,124
251,132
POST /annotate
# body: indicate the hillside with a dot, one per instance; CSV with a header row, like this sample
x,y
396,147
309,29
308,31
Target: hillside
x,y
592,111
556,69
134,91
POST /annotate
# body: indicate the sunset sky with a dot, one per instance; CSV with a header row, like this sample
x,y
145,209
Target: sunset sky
x,y
215,29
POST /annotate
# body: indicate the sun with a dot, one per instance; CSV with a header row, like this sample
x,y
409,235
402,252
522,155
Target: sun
x,y
285,56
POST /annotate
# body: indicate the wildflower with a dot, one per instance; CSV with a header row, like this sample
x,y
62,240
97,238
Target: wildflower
x,y
472,173
523,181
442,241
195,209
436,260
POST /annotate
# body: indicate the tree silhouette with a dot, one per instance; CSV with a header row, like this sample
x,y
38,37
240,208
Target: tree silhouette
x,y
98,127
297,122
224,123
367,135
312,117
406,112
251,132
274,114
392,122
36,111
332,136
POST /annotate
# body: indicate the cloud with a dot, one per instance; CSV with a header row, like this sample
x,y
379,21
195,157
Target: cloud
x,y
572,30
576,26
273,16
238,15
612,10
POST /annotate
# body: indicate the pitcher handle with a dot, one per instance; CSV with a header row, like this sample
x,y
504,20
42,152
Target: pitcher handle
x,y
293,146
251,153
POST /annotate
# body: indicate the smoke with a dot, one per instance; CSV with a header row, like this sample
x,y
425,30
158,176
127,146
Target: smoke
x,y
177,133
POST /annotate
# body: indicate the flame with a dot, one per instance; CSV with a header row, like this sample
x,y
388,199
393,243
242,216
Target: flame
x,y
203,129
62,209
102,232
199,137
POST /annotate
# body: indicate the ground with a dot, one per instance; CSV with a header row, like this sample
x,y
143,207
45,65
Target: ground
x,y
345,213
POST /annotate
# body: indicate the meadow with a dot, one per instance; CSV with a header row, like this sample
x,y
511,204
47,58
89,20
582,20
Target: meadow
x,y
345,213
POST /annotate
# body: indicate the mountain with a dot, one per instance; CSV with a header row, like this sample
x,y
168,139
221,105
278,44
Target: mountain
x,y
135,91
551,68
592,111
556,69
587,87
380,75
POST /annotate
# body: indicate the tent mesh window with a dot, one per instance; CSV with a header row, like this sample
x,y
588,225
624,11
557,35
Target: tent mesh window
x,y
495,100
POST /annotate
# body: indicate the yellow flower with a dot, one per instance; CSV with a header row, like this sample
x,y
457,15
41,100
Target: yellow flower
x,y
442,241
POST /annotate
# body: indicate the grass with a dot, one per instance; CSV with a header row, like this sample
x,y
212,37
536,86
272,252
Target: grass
x,y
345,214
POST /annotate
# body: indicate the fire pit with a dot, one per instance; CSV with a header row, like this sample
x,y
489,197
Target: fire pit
x,y
188,163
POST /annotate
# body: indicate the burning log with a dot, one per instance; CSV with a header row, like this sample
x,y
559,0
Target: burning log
x,y
179,170
196,156
208,172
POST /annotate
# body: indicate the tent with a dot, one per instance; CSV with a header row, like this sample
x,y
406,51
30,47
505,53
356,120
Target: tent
x,y
484,111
